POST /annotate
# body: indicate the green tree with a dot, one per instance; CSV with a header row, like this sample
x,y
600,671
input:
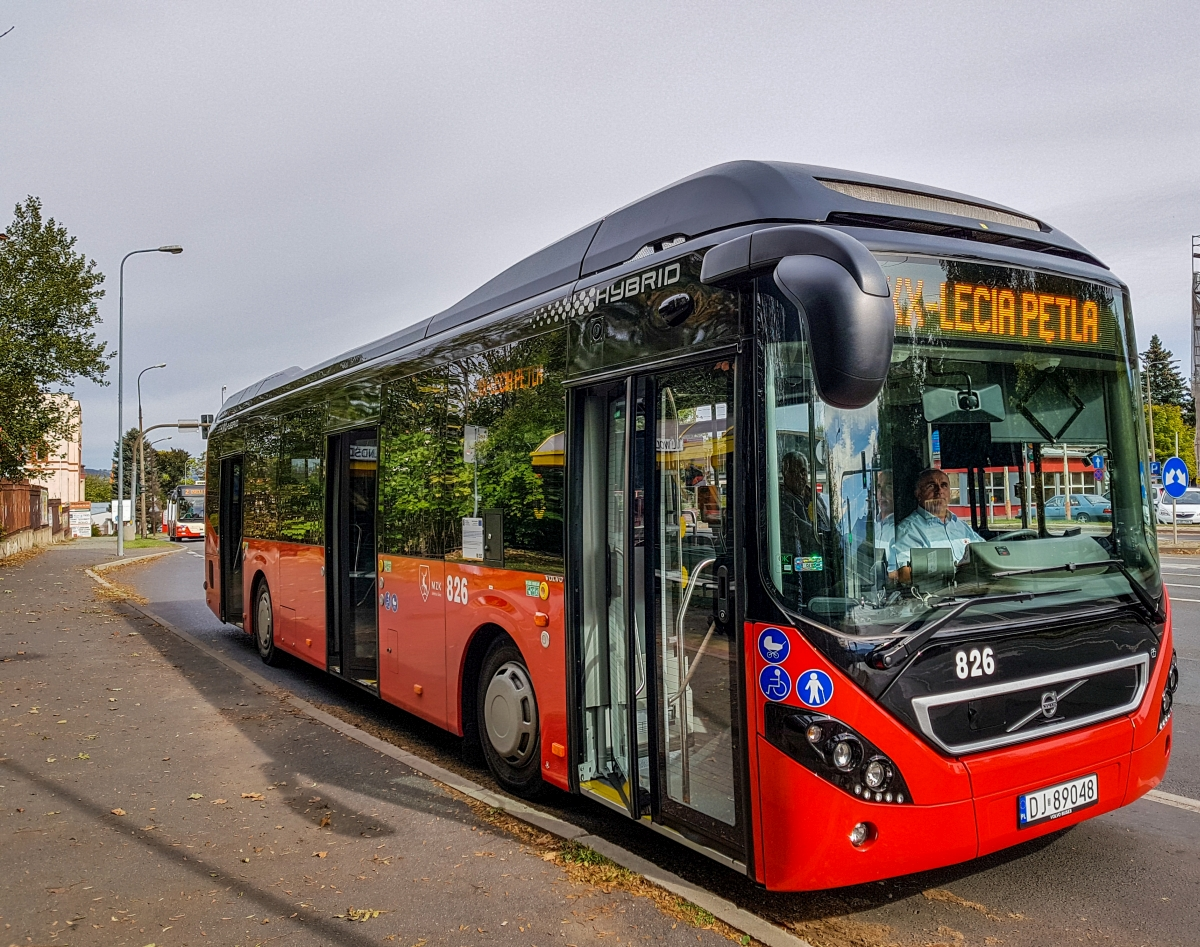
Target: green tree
x,y
172,469
97,489
48,315
1167,384
1169,421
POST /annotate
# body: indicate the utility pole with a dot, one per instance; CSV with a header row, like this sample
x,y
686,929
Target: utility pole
x,y
1196,331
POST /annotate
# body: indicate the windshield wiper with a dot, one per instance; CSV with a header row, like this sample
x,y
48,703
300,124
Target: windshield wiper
x,y
1153,609
889,657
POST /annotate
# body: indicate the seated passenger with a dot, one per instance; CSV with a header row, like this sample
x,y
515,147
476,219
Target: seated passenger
x,y
931,525
884,521
798,537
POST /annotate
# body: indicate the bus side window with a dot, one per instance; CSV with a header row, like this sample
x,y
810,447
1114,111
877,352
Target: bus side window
x,y
513,393
301,480
415,499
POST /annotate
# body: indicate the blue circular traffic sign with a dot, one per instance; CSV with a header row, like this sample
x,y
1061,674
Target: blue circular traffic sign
x,y
814,688
774,682
1174,477
773,645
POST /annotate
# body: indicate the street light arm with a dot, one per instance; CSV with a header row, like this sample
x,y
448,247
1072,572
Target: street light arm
x,y
121,391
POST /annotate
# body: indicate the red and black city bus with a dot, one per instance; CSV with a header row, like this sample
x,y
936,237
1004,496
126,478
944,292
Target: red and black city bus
x,y
664,515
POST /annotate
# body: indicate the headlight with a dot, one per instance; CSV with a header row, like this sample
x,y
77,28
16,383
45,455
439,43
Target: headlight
x,y
876,773
847,751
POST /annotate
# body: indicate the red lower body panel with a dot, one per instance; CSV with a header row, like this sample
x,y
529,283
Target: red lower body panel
x,y
807,821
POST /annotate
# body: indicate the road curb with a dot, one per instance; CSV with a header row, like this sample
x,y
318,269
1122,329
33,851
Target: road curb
x,y
725,911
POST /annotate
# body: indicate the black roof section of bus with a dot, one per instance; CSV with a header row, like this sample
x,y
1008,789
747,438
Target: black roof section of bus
x,y
727,195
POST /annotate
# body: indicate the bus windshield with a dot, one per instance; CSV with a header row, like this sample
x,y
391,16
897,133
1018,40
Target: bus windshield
x,y
1005,454
190,509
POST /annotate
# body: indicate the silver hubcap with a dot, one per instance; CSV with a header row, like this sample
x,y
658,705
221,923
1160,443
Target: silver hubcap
x,y
510,714
262,622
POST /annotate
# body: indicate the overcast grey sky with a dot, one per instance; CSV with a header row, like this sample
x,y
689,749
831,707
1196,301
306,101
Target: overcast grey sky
x,y
337,171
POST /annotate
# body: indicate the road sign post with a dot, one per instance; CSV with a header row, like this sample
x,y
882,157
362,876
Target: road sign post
x,y
1175,481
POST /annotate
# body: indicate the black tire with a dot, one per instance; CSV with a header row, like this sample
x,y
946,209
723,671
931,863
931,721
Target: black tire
x,y
264,626
1082,518
507,720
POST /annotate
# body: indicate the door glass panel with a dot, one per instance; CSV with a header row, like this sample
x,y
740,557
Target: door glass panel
x,y
694,459
354,554
605,768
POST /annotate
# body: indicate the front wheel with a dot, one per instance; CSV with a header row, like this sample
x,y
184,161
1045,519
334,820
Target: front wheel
x,y
264,626
507,718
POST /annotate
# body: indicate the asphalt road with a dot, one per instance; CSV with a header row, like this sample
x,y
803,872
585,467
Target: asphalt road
x,y
1131,877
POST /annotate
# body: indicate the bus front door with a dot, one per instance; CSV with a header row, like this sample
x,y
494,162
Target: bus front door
x,y
656,641
350,560
229,538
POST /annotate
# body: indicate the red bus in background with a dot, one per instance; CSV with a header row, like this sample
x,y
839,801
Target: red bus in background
x,y
184,516
738,512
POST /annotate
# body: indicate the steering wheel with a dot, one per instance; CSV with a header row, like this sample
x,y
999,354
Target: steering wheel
x,y
1017,534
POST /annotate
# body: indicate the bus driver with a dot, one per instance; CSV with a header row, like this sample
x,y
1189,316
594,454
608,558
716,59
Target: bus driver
x,y
931,525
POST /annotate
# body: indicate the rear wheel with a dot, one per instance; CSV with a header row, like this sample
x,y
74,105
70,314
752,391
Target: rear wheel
x,y
1082,518
264,626
507,718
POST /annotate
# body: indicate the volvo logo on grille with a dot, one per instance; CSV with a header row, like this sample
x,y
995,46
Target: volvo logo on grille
x,y
1049,704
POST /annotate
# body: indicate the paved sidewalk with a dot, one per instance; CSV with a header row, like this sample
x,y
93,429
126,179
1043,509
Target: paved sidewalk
x,y
149,796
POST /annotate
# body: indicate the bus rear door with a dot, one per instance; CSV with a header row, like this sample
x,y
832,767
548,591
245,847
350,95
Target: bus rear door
x,y
230,547
350,560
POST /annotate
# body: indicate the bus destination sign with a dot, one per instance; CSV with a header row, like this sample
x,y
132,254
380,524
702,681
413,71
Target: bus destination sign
x,y
971,310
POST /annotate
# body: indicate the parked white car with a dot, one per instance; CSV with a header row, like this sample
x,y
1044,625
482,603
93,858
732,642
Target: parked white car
x,y
1187,508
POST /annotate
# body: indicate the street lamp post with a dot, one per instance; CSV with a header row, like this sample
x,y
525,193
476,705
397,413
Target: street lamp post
x,y
140,476
121,392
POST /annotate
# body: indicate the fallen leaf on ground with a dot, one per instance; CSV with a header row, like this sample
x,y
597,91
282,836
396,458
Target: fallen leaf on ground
x,y
359,914
61,721
195,795
34,710
320,854
252,795
117,811
325,820
82,756
51,759
219,802
57,812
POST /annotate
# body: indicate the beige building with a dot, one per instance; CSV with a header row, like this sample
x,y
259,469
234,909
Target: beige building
x,y
62,472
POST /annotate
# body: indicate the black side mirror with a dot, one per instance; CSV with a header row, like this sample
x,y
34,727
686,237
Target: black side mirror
x,y
841,293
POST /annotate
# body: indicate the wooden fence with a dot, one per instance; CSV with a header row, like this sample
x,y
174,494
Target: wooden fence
x,y
23,506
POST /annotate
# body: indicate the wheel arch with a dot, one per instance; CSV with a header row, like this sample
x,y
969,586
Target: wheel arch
x,y
472,665
256,581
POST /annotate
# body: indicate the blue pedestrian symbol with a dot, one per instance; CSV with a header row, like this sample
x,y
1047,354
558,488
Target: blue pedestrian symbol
x,y
774,682
814,688
773,645
1174,477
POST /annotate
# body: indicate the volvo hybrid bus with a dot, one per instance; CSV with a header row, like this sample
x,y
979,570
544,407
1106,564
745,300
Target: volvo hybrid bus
x,y
664,515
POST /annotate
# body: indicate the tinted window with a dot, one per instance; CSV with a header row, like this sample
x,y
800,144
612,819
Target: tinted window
x,y
260,514
301,477
515,394
417,502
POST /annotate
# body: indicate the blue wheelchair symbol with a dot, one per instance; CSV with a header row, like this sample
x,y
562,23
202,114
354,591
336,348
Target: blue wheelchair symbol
x,y
774,682
814,688
773,645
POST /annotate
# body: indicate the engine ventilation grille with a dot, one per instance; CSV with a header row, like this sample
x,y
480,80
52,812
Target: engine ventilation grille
x,y
941,205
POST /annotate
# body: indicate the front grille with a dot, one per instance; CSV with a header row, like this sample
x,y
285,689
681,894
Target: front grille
x,y
983,718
